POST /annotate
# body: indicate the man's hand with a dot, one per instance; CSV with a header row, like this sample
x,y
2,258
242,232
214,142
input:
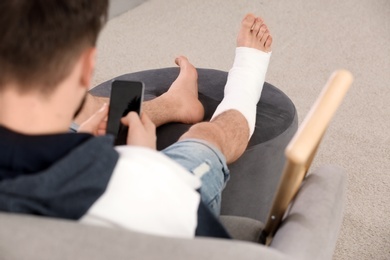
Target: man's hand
x,y
142,131
97,123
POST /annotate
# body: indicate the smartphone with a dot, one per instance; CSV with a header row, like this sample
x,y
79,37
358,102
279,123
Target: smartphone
x,y
126,96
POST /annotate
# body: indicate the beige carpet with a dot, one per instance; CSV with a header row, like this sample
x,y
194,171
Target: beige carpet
x,y
312,39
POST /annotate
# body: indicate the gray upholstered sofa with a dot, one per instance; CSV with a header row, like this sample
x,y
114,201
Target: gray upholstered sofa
x,y
309,230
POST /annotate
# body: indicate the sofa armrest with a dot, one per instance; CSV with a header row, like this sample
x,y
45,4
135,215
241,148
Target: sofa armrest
x,y
311,226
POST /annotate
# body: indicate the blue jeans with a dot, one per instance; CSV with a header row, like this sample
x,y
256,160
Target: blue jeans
x,y
203,160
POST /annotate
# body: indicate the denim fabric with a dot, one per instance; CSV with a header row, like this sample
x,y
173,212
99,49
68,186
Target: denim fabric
x,y
206,162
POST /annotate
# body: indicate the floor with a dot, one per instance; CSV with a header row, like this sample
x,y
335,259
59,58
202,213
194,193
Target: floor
x,y
118,7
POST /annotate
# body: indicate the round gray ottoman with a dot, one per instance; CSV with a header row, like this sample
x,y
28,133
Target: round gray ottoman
x,y
254,177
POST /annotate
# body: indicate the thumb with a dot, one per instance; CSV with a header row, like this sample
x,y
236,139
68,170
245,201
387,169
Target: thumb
x,y
131,118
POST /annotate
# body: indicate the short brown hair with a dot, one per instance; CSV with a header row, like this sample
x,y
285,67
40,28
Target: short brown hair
x,y
41,39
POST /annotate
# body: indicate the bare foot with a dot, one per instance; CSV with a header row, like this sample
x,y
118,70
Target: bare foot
x,y
254,33
182,97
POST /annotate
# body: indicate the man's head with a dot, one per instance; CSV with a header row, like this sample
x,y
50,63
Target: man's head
x,y
40,40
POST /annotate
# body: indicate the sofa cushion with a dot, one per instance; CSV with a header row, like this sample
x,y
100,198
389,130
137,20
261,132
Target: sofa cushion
x,y
242,228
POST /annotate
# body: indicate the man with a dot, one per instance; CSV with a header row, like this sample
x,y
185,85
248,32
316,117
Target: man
x,y
47,56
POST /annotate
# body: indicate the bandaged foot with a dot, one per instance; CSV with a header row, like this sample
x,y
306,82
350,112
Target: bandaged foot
x,y
246,78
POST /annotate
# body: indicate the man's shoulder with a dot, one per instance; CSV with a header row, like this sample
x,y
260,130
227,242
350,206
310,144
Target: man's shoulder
x,y
56,191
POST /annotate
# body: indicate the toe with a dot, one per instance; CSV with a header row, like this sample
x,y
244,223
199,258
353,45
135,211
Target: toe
x,y
180,60
256,28
264,38
268,43
177,61
262,31
260,20
248,21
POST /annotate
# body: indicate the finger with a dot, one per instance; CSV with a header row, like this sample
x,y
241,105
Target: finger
x,y
99,116
102,127
91,125
101,132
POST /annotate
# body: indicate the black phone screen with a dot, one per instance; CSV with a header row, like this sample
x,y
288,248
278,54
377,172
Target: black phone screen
x,y
126,96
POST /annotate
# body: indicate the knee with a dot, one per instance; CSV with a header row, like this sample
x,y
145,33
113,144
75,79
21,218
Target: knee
x,y
208,132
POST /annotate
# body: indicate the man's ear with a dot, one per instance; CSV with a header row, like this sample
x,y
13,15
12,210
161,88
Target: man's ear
x,y
88,66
